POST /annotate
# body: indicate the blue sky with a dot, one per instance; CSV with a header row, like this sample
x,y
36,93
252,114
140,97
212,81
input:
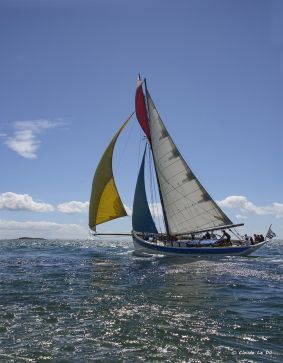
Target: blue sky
x,y
68,77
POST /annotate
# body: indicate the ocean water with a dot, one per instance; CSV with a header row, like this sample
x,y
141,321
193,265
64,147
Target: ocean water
x,y
95,301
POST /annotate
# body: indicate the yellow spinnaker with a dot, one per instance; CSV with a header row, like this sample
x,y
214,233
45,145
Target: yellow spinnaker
x,y
105,202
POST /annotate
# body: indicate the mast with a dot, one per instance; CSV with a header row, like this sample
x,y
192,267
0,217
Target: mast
x,y
158,184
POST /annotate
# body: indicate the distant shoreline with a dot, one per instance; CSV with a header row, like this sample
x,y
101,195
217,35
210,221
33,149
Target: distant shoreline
x,y
40,238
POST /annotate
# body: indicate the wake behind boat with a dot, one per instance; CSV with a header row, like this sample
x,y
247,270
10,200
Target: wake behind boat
x,y
192,219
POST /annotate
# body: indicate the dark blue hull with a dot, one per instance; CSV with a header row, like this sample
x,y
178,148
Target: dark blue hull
x,y
175,250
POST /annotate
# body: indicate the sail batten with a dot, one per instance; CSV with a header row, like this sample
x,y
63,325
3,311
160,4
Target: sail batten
x,y
187,204
105,202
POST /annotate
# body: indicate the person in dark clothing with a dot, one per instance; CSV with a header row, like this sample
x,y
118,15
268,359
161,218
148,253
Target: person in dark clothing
x,y
226,236
207,235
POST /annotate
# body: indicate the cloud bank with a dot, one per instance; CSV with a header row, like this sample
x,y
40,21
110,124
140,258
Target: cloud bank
x,y
246,206
45,229
25,139
73,207
22,202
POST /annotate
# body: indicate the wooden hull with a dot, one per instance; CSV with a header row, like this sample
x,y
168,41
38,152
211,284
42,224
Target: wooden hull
x,y
143,246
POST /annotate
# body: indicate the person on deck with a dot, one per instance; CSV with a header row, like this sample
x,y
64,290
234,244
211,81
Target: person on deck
x,y
226,236
247,240
207,235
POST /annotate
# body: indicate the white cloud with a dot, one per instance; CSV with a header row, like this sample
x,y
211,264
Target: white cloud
x,y
22,202
36,126
25,141
73,207
44,229
246,206
278,209
240,216
81,207
238,201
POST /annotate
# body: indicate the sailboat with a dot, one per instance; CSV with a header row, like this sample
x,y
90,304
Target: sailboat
x,y
194,225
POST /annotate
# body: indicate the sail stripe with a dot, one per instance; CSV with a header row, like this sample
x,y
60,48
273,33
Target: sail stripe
x,y
105,202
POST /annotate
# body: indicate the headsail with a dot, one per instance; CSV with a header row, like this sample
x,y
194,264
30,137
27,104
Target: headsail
x,y
187,204
105,202
141,219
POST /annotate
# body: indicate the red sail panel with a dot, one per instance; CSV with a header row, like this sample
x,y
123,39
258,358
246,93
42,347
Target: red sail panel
x,y
141,110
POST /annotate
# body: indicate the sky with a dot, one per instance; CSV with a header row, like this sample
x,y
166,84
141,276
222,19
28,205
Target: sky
x,y
68,76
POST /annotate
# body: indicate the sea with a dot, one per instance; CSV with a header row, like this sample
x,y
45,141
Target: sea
x,y
96,301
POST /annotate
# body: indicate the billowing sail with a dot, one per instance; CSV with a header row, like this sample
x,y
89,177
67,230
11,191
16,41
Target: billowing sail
x,y
187,205
105,202
141,112
141,219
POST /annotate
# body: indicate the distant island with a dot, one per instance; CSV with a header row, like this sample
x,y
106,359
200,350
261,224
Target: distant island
x,y
38,238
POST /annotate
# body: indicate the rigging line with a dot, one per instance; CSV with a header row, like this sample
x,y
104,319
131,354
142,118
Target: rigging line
x,y
236,233
151,200
139,152
154,200
125,146
150,184
148,98
159,216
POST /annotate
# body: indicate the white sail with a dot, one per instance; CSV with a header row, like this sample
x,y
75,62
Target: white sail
x,y
187,205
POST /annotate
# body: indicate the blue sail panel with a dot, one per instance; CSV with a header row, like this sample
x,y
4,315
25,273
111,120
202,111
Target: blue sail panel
x,y
141,219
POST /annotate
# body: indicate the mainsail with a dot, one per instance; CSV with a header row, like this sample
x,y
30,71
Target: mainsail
x,y
188,206
105,202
